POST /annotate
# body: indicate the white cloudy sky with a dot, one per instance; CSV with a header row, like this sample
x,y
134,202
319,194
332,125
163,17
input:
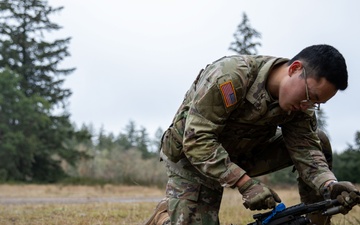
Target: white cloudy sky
x,y
135,59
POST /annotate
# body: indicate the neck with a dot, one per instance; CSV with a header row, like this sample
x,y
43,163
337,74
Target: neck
x,y
274,80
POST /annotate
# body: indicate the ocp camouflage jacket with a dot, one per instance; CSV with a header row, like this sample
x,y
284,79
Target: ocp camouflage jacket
x,y
228,110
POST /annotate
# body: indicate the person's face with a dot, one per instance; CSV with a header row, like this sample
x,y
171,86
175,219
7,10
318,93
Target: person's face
x,y
300,93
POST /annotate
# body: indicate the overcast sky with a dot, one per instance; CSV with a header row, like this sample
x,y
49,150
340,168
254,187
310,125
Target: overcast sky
x,y
135,59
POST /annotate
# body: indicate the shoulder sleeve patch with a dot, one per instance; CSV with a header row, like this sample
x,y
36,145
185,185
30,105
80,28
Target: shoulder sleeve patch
x,y
228,93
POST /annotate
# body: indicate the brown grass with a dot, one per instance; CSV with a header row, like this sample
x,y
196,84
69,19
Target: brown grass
x,y
25,191
232,211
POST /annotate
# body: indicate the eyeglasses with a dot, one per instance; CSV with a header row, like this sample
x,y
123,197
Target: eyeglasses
x,y
308,103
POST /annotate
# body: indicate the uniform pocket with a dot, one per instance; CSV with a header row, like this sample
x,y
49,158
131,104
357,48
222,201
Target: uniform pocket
x,y
172,144
180,188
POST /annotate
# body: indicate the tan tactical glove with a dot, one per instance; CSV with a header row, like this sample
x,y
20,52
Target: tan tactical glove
x,y
336,188
348,201
257,196
345,192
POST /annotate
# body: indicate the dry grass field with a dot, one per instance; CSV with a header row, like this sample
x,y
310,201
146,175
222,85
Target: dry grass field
x,y
111,204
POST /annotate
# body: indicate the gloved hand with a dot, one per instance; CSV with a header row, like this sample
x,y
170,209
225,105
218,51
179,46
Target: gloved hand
x,y
257,196
336,188
348,201
345,192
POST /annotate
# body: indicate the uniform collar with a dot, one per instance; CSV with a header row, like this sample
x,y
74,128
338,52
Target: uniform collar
x,y
258,89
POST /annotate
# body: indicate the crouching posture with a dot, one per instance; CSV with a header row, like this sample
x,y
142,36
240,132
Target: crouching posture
x,y
246,116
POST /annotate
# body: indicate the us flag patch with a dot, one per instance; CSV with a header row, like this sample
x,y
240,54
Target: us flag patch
x,y
228,93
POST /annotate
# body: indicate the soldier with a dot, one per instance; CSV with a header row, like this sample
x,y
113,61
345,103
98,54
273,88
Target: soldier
x,y
246,116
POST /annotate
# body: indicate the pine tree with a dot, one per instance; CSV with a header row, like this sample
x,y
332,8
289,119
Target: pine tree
x,y
24,50
346,163
157,140
244,35
142,143
128,139
321,120
26,53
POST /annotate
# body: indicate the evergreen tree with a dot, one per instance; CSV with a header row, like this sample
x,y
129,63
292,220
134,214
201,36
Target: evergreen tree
x,y
38,139
244,35
321,120
135,139
346,164
357,141
128,139
142,143
157,141
105,142
24,50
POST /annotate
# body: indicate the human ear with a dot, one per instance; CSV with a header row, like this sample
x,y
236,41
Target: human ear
x,y
295,66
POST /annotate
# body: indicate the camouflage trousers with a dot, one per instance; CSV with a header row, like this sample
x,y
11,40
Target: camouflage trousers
x,y
195,199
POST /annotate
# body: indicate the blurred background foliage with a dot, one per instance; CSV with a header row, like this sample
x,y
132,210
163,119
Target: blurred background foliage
x,y
39,143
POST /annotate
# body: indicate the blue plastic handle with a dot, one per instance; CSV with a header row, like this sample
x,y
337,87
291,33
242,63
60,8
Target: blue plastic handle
x,y
280,207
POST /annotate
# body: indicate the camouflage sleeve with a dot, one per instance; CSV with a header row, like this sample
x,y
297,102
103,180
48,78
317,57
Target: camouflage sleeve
x,y
218,91
304,148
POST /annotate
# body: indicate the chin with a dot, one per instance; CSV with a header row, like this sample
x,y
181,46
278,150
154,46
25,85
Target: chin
x,y
285,108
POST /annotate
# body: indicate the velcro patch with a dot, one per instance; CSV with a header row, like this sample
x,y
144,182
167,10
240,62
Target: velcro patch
x,y
228,93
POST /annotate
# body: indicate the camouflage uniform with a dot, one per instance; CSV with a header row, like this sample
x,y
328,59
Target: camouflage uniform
x,y
229,125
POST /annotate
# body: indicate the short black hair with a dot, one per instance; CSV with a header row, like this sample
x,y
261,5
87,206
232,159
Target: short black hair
x,y
324,61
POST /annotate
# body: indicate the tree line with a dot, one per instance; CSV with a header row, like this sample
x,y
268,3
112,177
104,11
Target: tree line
x,y
131,157
39,143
